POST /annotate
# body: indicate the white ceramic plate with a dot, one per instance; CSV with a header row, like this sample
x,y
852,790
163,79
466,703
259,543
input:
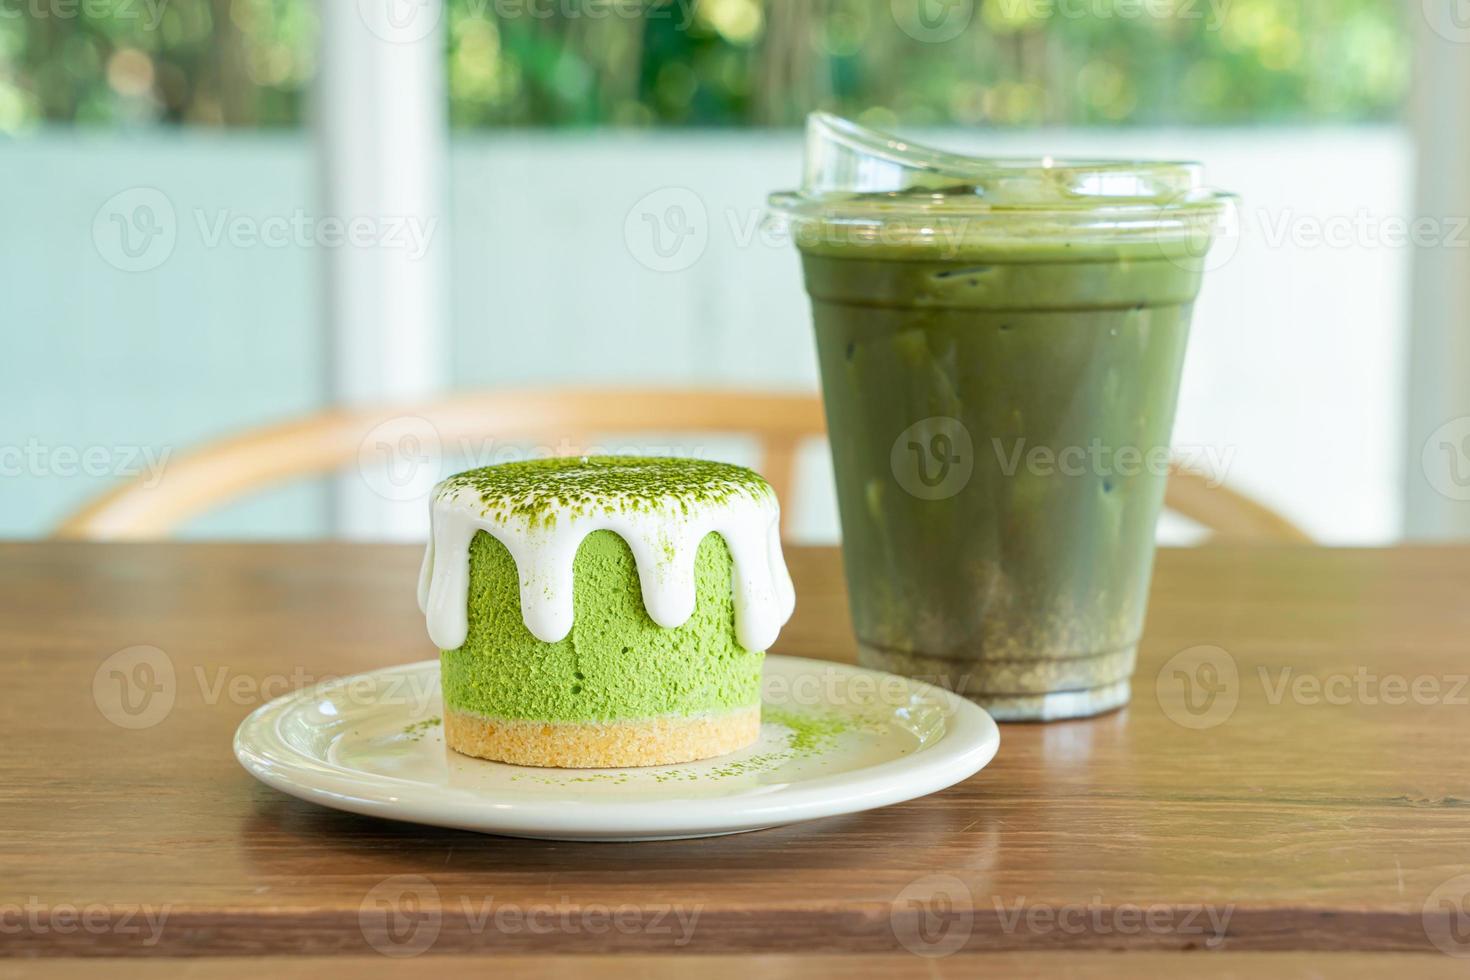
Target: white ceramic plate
x,y
834,739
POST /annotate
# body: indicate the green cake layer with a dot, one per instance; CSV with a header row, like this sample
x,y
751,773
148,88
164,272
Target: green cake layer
x,y
617,663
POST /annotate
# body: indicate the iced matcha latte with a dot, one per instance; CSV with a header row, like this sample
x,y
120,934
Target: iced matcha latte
x,y
1000,346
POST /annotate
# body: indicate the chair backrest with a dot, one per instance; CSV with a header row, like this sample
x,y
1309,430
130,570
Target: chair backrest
x,y
255,460
1227,514
222,471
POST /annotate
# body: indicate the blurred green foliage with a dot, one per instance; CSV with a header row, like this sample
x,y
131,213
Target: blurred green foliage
x,y
733,62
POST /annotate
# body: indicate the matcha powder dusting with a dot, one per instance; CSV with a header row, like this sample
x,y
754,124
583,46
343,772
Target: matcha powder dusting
x,y
540,489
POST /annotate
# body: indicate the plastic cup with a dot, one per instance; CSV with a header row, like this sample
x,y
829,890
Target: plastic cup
x,y
1000,344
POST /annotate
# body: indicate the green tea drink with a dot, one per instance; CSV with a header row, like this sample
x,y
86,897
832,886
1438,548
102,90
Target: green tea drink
x,y
1000,354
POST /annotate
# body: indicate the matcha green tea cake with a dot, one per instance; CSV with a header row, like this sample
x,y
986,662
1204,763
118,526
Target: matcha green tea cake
x,y
603,610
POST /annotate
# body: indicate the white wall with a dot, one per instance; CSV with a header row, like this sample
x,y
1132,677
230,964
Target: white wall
x,y
1295,367
1295,364
107,359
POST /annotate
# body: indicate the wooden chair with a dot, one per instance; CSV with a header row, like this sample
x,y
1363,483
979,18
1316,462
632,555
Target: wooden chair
x,y
321,444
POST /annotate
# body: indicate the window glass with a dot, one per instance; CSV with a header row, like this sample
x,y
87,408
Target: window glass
x,y
734,62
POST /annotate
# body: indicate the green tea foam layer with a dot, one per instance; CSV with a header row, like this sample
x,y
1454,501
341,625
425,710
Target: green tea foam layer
x,y
863,189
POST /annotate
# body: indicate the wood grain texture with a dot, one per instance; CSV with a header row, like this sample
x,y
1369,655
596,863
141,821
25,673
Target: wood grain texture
x,y
891,966
1326,811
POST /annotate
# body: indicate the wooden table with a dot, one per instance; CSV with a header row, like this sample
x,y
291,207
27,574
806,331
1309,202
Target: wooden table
x,y
1313,816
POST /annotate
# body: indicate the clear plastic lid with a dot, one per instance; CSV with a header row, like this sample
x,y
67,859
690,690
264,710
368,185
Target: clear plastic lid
x,y
869,186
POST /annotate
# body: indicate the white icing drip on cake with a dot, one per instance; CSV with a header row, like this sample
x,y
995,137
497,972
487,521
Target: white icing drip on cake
x,y
664,535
